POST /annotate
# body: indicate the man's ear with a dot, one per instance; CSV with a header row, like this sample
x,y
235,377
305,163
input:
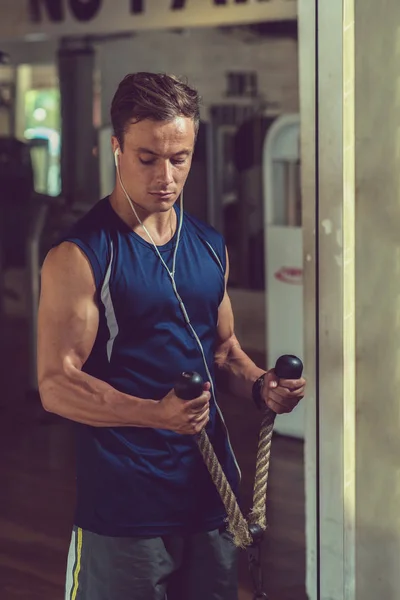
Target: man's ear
x,y
114,144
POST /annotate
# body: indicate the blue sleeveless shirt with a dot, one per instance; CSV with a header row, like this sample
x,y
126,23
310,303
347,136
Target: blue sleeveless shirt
x,y
134,481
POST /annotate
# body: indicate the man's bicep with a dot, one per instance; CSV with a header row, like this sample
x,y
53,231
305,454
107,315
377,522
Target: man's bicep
x,y
68,316
225,328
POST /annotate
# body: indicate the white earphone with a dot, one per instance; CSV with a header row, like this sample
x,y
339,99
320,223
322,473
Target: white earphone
x,y
171,274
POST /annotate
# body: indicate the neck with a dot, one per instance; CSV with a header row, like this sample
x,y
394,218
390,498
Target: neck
x,y
161,226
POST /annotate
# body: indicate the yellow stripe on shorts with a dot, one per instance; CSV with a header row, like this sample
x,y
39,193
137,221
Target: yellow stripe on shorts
x,y
78,564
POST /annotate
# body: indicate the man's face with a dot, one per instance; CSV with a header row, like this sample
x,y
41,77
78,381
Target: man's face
x,y
156,160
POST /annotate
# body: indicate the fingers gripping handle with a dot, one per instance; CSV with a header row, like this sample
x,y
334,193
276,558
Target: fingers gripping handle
x,y
288,367
189,385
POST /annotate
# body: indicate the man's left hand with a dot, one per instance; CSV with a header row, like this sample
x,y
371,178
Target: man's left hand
x,y
282,395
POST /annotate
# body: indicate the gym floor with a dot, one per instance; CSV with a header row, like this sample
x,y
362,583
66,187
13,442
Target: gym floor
x,y
37,490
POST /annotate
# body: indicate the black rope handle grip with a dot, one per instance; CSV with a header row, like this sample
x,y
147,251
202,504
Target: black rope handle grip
x,y
288,366
190,383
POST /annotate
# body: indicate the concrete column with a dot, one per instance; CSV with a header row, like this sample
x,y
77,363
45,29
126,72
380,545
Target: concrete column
x,y
377,276
79,170
351,187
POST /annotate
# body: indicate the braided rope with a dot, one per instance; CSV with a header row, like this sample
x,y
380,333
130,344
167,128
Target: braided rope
x,y
237,524
258,512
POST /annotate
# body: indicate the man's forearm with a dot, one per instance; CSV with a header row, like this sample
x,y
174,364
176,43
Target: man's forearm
x,y
235,371
80,397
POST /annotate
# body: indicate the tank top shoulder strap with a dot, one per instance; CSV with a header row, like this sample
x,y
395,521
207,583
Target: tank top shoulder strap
x,y
210,237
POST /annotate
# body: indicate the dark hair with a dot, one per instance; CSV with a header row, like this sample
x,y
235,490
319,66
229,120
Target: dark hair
x,y
155,96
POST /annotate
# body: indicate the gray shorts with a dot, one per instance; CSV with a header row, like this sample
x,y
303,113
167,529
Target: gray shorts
x,y
201,566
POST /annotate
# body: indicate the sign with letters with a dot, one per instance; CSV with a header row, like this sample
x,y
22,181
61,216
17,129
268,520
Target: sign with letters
x,y
55,18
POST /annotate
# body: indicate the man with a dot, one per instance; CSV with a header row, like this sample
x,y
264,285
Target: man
x,y
133,296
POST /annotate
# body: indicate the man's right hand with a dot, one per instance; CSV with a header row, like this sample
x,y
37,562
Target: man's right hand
x,y
187,417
